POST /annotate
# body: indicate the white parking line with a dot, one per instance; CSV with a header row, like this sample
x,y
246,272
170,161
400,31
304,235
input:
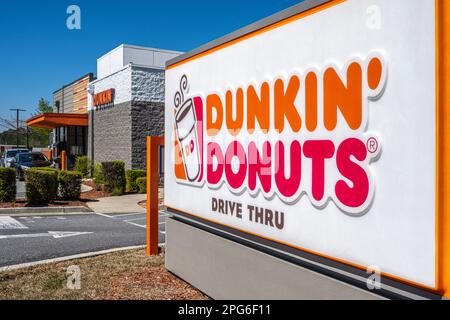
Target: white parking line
x,y
127,214
105,215
114,217
54,234
10,223
144,218
137,225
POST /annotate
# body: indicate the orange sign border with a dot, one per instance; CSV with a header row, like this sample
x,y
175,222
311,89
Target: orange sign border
x,y
443,147
442,245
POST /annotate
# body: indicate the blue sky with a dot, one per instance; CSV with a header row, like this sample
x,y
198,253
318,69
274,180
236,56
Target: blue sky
x,y
39,54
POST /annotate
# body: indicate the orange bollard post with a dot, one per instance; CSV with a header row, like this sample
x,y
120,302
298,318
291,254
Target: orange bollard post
x,y
153,144
63,161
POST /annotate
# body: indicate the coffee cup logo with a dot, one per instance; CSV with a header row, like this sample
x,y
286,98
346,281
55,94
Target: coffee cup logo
x,y
187,126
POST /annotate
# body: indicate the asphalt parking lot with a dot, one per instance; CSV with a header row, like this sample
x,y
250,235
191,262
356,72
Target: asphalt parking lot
x,y
26,239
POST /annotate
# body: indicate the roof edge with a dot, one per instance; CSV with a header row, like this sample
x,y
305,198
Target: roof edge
x,y
90,75
277,17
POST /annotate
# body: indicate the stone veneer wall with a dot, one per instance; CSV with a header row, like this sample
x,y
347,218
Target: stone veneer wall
x,y
120,131
147,120
147,85
147,88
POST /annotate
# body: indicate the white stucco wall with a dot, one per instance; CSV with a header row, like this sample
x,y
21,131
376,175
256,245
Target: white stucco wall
x,y
110,63
119,81
124,54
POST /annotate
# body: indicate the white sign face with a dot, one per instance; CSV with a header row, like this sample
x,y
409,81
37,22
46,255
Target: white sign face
x,y
318,133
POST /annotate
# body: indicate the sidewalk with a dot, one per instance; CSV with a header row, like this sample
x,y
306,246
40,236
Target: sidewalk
x,y
123,204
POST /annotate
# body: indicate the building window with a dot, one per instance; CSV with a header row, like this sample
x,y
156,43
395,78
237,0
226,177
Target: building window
x,y
161,160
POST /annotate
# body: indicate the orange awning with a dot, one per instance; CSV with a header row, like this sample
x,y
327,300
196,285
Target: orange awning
x,y
57,120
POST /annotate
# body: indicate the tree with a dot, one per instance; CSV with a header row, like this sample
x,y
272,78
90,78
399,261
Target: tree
x,y
44,106
38,137
41,135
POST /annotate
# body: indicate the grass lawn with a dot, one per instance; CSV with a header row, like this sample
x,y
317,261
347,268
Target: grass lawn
x,y
125,275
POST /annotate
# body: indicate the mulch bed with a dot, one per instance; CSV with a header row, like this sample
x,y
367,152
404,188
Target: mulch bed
x,y
82,202
127,275
22,203
93,194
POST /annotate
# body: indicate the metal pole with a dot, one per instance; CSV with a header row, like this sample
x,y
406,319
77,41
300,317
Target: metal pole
x,y
28,138
17,123
17,128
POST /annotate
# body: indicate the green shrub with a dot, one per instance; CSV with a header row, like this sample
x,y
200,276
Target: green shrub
x,y
98,177
116,192
70,184
41,186
47,169
131,176
142,184
113,176
83,165
7,185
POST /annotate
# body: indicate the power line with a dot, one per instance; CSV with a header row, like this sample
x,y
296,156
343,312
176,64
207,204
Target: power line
x,y
7,123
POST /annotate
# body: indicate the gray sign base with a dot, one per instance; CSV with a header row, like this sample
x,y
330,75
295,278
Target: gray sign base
x,y
227,270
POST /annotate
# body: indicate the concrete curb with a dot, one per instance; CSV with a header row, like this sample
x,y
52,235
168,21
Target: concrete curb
x,y
67,258
73,257
44,210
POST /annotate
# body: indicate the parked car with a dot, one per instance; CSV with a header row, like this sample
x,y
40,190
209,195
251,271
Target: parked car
x,y
25,161
10,155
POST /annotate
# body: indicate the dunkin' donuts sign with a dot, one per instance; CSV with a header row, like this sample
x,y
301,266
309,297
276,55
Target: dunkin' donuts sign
x,y
317,132
103,98
271,158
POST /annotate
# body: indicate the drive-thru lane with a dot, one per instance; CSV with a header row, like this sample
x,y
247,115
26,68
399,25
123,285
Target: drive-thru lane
x,y
33,238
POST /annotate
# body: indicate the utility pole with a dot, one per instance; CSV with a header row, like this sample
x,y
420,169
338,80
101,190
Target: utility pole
x,y
28,137
17,123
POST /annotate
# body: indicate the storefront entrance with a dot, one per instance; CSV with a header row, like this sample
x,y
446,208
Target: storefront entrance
x,y
69,134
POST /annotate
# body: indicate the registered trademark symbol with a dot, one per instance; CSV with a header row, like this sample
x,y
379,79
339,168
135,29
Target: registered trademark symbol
x,y
372,145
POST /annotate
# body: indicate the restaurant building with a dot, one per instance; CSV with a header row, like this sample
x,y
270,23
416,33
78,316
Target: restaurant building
x,y
108,117
126,104
69,119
